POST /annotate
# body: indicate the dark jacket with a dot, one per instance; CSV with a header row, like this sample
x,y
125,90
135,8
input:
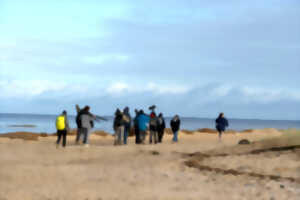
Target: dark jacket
x,y
78,118
161,125
221,123
118,120
175,125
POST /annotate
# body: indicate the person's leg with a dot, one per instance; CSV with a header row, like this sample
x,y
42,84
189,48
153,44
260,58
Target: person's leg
x,y
85,135
125,134
137,135
159,135
116,137
220,134
150,137
122,134
89,131
142,136
64,138
155,137
175,139
119,132
58,137
78,135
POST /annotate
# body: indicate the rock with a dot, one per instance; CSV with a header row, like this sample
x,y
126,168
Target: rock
x,y
282,186
244,141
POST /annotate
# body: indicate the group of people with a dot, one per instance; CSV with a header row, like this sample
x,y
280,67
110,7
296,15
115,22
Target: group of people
x,y
123,124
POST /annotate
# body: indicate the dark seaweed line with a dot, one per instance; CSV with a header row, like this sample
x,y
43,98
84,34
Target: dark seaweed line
x,y
196,165
201,156
257,151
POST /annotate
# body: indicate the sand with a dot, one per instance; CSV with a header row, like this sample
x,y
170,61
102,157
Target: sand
x,y
35,169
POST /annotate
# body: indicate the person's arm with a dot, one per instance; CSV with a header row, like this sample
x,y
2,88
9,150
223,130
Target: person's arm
x,y
56,122
148,118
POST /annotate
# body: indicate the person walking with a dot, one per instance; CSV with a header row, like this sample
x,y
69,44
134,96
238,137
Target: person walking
x,y
80,130
153,128
62,127
127,123
136,127
142,121
161,125
175,126
118,127
221,124
87,123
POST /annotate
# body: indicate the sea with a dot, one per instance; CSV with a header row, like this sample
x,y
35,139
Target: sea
x,y
46,123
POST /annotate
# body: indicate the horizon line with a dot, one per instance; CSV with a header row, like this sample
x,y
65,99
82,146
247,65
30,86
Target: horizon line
x,y
234,118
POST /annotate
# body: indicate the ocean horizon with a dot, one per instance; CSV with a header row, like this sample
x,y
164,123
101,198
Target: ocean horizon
x,y
45,123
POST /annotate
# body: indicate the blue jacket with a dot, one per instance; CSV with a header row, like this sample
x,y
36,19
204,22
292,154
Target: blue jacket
x,y
142,121
221,123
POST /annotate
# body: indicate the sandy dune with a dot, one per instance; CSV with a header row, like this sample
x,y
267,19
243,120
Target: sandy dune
x,y
37,170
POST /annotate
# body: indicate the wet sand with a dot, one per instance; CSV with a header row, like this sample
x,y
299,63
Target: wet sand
x,y
199,166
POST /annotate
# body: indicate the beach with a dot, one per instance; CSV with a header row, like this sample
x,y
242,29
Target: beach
x,y
199,166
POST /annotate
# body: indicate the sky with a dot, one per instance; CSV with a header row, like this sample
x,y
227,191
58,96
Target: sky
x,y
194,58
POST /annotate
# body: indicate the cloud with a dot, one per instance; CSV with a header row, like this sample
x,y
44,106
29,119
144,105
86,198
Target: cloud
x,y
191,56
204,93
102,59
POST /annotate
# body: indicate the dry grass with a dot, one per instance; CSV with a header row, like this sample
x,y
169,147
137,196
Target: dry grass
x,y
247,131
101,133
290,137
206,130
188,132
21,135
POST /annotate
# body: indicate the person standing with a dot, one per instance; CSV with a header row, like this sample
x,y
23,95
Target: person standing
x,y
142,120
87,123
62,127
161,125
118,127
127,123
80,112
136,127
175,126
221,124
153,128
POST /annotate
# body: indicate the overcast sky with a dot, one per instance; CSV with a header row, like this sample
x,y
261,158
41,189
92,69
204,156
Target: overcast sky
x,y
191,57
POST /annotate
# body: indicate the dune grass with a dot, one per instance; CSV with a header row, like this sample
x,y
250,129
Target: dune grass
x,y
288,138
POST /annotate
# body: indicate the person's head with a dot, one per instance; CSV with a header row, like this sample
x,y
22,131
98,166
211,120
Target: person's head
x,y
136,111
64,112
126,110
160,115
221,115
118,112
176,117
86,108
141,112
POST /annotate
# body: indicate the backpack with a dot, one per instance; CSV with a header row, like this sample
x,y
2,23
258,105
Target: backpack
x,y
153,121
160,121
60,123
125,118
